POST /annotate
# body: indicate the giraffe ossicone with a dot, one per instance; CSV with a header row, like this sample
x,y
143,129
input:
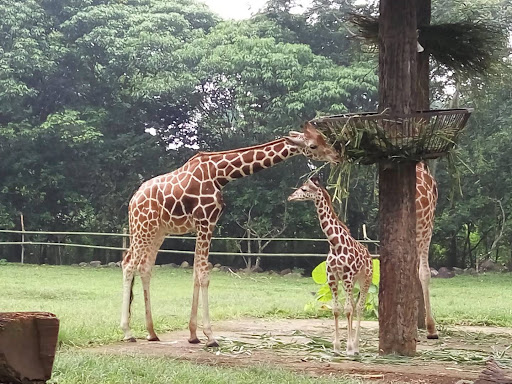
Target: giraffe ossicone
x,y
348,261
189,200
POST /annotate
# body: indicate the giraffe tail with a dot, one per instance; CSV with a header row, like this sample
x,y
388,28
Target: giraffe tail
x,y
131,296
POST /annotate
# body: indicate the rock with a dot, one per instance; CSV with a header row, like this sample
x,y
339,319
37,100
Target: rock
x,y
82,264
210,266
185,264
285,271
217,265
95,263
257,270
215,269
488,265
223,268
28,341
445,273
470,271
458,271
74,265
433,272
170,265
272,272
118,263
112,265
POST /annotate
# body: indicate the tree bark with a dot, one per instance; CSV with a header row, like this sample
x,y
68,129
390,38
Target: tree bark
x,y
398,299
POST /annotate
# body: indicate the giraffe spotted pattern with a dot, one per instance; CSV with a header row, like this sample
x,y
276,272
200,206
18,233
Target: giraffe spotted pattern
x,y
348,261
426,199
189,200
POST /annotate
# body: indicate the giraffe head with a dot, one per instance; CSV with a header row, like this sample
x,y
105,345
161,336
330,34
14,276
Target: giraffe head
x,y
312,144
309,191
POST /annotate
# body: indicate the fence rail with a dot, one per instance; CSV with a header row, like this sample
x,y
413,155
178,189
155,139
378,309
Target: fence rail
x,y
25,242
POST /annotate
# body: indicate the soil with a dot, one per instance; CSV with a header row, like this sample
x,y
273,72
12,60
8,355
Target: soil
x,y
305,346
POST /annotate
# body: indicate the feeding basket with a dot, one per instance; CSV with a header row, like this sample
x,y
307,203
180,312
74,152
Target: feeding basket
x,y
371,137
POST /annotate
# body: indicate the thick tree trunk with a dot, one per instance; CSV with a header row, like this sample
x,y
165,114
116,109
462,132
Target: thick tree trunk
x,y
27,346
398,299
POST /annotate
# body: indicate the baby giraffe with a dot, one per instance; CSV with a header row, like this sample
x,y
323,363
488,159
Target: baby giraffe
x,y
348,260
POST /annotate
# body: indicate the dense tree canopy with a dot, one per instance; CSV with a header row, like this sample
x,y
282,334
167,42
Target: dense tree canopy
x,y
99,95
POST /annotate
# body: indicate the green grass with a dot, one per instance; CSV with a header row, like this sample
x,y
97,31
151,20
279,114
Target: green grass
x,y
473,300
88,368
88,301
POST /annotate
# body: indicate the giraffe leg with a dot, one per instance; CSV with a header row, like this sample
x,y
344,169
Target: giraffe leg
x,y
424,272
201,282
128,280
349,312
204,282
336,310
146,279
192,324
365,286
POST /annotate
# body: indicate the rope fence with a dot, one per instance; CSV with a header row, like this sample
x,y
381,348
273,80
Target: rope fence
x,y
24,242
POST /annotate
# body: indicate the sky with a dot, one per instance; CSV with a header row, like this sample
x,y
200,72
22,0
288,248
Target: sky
x,y
239,9
235,9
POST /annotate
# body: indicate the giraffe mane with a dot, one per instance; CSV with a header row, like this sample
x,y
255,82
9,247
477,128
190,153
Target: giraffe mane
x,y
329,203
235,150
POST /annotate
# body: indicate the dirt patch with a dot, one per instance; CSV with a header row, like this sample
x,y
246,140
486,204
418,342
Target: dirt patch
x,y
305,346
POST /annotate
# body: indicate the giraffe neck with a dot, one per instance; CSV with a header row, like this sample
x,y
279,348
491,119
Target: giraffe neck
x,y
235,164
331,225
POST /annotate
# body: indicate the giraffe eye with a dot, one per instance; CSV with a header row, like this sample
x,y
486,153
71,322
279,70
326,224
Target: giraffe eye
x,y
313,146
303,189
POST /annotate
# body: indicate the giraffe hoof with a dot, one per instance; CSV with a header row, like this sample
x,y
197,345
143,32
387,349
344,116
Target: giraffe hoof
x,y
130,340
212,344
435,336
152,338
194,341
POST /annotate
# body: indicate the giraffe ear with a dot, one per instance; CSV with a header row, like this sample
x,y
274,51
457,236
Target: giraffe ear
x,y
294,133
296,140
308,127
315,180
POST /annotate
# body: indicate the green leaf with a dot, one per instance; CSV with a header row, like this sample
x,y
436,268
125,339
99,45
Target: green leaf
x,y
376,272
324,294
319,274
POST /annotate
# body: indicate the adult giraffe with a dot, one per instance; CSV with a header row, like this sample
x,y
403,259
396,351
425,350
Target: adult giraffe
x,y
190,200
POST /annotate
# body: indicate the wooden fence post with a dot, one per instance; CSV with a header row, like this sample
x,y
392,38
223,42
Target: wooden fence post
x,y
22,238
125,242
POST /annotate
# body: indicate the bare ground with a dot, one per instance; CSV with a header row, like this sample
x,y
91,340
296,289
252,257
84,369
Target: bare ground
x,y
304,346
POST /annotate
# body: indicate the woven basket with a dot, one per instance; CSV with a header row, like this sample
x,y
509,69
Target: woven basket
x,y
371,137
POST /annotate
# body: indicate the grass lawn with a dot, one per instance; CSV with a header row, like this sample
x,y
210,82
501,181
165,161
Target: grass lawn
x,y
77,367
87,302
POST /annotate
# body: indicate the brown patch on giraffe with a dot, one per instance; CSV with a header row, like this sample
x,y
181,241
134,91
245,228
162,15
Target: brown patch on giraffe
x,y
207,188
179,209
237,161
229,169
259,156
279,147
236,174
267,162
246,170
